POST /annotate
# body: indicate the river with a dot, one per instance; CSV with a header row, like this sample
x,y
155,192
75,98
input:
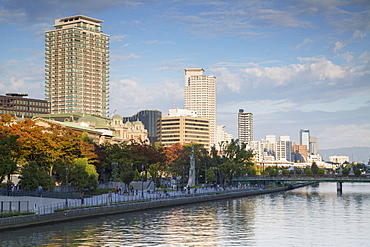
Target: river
x,y
311,216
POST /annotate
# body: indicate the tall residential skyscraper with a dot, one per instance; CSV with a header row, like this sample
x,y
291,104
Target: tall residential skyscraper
x,y
304,138
77,66
245,126
200,96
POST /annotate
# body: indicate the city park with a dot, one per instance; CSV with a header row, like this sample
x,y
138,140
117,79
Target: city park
x,y
58,158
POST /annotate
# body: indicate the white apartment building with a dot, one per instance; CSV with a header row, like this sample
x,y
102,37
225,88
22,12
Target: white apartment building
x,y
245,126
222,137
339,159
200,96
272,149
77,66
283,148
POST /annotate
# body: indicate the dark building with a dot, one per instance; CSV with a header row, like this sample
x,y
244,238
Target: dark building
x,y
149,119
16,104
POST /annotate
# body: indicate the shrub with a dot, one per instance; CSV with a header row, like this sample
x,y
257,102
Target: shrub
x,y
357,172
345,172
321,171
308,171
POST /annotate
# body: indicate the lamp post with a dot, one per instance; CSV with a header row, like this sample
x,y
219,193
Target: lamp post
x,y
67,187
142,181
182,184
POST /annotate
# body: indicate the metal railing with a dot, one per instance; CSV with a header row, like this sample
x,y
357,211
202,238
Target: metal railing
x,y
135,196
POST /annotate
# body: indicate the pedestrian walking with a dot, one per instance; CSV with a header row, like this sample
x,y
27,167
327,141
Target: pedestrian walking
x,y
110,197
82,197
39,190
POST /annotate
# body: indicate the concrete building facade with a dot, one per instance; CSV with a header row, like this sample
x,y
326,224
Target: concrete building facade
x,y
304,138
183,128
245,126
314,146
77,66
17,105
200,96
149,118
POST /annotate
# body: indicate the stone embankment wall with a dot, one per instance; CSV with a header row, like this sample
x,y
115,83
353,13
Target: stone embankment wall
x,y
57,217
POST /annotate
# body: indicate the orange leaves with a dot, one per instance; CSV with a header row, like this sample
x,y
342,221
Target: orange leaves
x,y
172,152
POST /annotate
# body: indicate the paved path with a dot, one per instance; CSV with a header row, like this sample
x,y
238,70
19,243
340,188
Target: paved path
x,y
43,205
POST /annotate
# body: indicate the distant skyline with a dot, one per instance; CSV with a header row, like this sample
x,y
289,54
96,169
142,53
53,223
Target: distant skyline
x,y
293,64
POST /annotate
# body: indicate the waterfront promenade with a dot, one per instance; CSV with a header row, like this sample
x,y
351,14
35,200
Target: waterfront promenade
x,y
128,203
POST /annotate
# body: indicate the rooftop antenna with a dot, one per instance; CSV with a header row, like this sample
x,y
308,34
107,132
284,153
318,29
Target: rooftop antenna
x,y
173,104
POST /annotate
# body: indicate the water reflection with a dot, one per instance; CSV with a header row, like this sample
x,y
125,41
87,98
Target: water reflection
x,y
310,216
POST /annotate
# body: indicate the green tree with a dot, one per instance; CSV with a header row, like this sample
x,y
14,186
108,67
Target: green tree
x,y
357,172
285,172
7,163
127,176
345,172
210,175
308,171
154,171
82,175
32,176
314,168
321,172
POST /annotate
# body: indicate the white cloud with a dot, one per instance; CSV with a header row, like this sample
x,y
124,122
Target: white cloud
x,y
359,34
157,42
117,38
346,56
338,46
306,43
117,58
132,95
230,80
345,135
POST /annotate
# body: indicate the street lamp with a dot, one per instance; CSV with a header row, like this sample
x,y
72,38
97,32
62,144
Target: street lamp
x,y
142,181
182,184
67,188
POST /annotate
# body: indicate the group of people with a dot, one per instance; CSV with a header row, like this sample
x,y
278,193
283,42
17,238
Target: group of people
x,y
130,191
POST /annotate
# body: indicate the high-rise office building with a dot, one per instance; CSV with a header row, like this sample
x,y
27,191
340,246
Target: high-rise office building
x,y
245,126
183,126
314,148
77,66
149,118
304,138
200,96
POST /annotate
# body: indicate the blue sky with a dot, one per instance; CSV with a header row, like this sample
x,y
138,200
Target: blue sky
x,y
293,64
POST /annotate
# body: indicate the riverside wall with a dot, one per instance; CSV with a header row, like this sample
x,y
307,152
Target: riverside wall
x,y
68,215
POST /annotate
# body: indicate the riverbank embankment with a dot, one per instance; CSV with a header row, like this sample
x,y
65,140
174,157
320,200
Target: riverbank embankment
x,y
68,215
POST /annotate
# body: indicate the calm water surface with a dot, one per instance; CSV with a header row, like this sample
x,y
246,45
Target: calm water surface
x,y
310,216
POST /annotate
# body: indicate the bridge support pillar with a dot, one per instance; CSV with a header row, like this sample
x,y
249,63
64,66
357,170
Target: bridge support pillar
x,y
339,186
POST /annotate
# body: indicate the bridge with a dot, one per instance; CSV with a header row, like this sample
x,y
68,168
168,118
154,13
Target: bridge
x,y
302,178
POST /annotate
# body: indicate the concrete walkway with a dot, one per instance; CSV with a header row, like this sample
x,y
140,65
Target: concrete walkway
x,y
44,205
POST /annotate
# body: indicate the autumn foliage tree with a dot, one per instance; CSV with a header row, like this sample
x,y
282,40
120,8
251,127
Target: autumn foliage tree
x,y
49,145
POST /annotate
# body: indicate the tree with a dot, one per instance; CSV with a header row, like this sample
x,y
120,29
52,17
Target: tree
x,y
314,168
127,176
7,164
345,172
308,171
357,172
210,175
321,172
32,177
285,172
154,171
82,175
